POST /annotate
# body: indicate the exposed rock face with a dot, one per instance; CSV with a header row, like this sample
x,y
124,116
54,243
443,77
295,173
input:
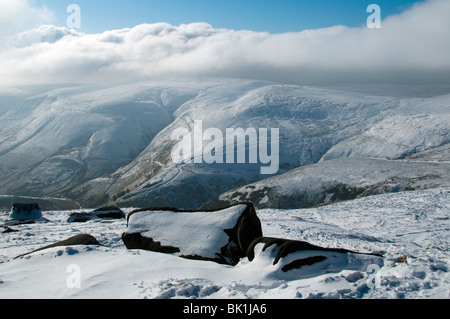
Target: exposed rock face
x,y
79,217
221,235
107,212
25,214
28,211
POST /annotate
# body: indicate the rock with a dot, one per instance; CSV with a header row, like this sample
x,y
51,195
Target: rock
x,y
355,276
79,217
46,203
221,235
107,212
303,259
22,221
8,229
81,239
26,211
112,212
25,214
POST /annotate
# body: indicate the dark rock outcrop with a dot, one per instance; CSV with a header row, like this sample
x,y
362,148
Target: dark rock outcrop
x,y
7,229
222,235
107,212
79,217
112,212
28,213
81,239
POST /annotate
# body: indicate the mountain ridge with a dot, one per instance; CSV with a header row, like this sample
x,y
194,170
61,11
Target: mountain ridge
x,y
103,144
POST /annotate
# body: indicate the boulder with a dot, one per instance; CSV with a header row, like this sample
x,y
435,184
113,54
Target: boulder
x,y
107,212
223,236
8,229
21,213
286,258
25,211
111,212
81,239
79,217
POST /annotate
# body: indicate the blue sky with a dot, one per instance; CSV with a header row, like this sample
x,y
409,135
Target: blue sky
x,y
338,47
274,16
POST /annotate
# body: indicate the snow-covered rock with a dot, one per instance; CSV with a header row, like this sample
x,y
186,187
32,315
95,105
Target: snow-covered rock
x,y
222,236
283,258
26,211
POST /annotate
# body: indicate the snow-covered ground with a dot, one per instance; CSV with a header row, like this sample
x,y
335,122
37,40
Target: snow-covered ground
x,y
411,230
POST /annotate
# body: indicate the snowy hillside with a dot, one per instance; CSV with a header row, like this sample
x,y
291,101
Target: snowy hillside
x,y
410,229
96,145
311,122
337,180
53,141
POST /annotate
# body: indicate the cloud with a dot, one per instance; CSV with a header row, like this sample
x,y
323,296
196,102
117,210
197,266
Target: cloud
x,y
20,15
410,47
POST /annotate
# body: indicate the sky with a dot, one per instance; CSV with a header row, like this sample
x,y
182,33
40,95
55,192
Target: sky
x,y
274,16
300,42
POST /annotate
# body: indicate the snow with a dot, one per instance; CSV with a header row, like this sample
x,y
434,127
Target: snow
x,y
176,228
315,124
411,230
338,179
97,143
396,137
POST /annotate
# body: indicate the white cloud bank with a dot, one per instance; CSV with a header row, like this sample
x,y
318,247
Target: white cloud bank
x,y
411,47
20,15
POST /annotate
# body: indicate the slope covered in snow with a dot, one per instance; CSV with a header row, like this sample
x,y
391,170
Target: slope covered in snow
x,y
337,180
311,122
59,138
96,144
410,229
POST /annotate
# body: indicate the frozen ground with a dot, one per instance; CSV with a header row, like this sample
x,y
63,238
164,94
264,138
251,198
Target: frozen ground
x,y
411,230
